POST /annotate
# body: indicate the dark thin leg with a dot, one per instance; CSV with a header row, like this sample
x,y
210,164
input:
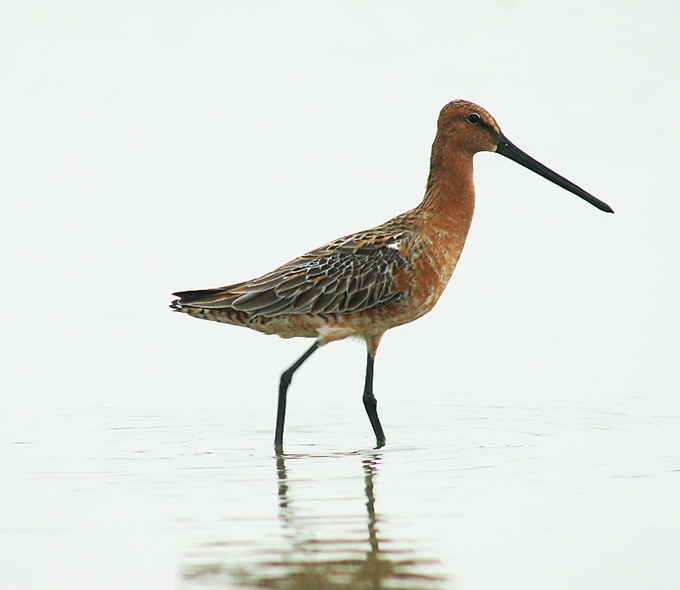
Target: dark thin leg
x,y
286,378
371,404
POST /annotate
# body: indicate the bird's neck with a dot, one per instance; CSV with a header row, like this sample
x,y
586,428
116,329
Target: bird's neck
x,y
450,195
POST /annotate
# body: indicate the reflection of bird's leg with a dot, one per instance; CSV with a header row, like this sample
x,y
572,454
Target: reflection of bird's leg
x,y
369,466
283,486
291,526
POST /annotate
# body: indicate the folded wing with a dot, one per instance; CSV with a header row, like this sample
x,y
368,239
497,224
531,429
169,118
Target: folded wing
x,y
343,277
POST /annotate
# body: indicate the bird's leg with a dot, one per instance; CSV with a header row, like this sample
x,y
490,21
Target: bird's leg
x,y
286,378
371,404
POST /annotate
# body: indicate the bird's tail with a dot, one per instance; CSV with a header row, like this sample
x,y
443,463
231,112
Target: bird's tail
x,y
220,298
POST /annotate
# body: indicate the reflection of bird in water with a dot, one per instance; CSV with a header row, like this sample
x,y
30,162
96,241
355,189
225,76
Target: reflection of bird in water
x,y
363,284
343,562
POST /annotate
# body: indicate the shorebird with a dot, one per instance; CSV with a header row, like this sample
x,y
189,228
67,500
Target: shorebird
x,y
365,283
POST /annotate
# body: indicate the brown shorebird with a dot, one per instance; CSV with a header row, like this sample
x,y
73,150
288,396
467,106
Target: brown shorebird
x,y
365,283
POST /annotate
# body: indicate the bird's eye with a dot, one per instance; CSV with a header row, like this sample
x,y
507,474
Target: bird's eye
x,y
474,118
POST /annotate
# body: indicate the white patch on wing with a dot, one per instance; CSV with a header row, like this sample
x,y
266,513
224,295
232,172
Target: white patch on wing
x,y
394,246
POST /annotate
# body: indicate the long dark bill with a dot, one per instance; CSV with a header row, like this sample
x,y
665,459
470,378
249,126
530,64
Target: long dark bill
x,y
510,150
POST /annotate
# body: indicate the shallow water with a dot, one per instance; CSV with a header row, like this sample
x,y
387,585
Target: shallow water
x,y
519,497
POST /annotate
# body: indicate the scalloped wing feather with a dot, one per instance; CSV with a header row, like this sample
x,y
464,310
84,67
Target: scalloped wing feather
x,y
349,275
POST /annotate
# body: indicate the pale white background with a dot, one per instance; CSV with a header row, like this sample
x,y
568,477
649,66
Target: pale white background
x,y
148,147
